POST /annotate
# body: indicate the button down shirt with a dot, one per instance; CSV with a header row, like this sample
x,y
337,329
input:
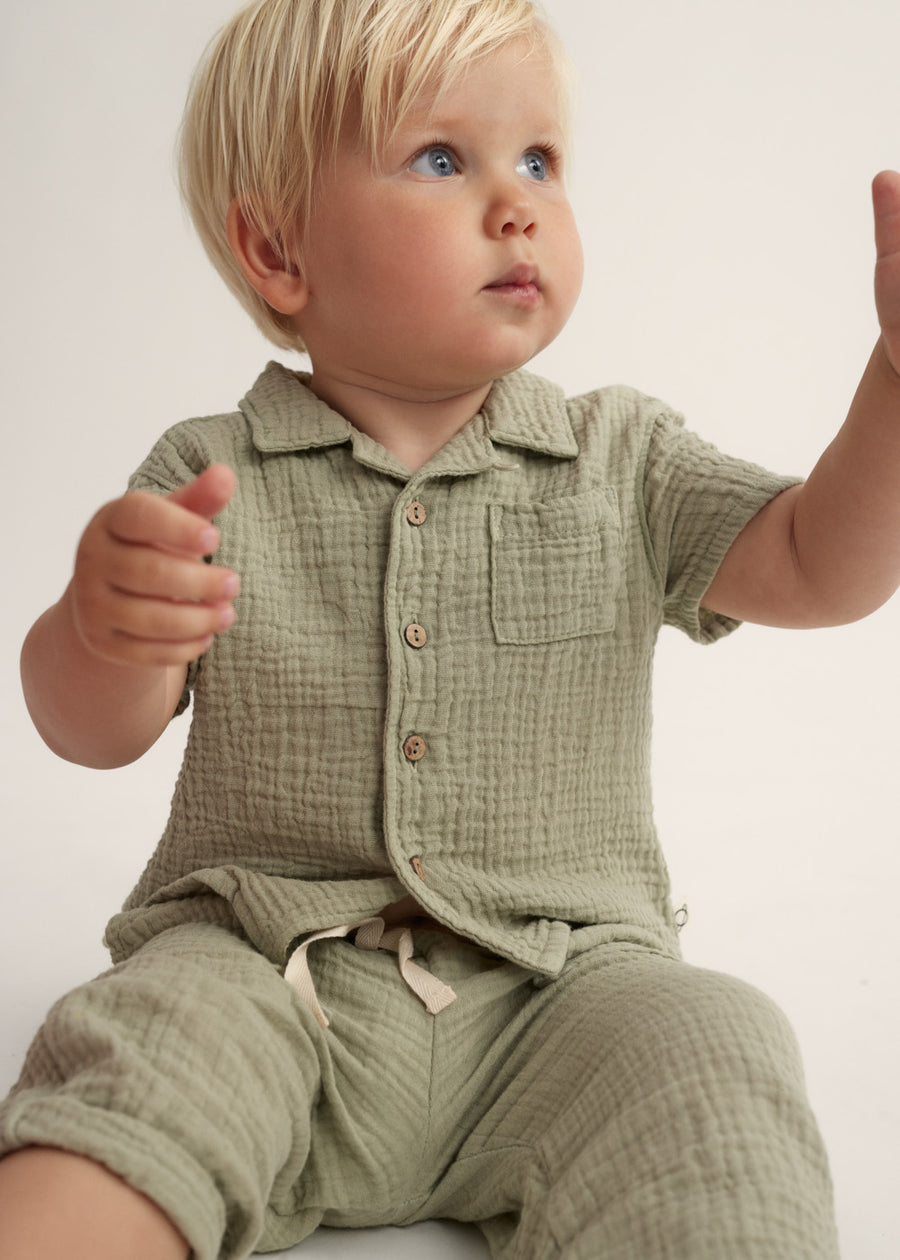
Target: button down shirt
x,y
439,683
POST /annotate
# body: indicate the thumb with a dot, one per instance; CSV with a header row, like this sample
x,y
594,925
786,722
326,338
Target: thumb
x,y
886,200
207,494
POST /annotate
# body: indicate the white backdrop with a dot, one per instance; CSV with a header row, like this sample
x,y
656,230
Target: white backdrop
x,y
724,153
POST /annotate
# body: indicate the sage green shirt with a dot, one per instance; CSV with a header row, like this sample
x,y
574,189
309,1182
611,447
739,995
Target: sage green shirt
x,y
440,683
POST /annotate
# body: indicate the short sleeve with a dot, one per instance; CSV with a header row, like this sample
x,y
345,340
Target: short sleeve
x,y
168,466
697,500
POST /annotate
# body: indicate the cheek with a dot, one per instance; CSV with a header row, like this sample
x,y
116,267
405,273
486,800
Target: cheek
x,y
391,260
577,269
415,246
570,258
417,272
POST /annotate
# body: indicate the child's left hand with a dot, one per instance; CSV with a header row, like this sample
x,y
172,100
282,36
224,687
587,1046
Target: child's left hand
x,y
886,203
828,552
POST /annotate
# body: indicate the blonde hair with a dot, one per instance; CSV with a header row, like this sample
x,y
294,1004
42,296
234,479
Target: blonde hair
x,y
277,84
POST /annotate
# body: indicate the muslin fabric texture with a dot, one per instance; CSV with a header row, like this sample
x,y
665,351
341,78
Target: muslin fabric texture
x,y
439,684
633,1108
541,551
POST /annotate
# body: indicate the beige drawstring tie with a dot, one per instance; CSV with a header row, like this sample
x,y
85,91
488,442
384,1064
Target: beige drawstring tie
x,y
370,934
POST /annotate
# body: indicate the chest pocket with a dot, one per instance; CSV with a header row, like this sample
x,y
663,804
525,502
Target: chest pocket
x,y
556,568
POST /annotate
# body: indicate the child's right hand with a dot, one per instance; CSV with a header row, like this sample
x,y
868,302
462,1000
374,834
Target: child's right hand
x,y
140,594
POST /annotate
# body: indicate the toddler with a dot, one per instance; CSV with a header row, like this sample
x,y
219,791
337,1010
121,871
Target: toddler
x,y
406,948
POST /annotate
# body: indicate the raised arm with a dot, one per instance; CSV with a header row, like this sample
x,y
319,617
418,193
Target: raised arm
x,y
103,669
828,552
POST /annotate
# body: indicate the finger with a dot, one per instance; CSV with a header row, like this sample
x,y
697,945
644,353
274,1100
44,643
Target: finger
x,y
207,494
149,572
886,204
141,620
125,649
120,626
143,654
152,520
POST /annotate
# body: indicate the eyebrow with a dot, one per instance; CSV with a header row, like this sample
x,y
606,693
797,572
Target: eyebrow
x,y
543,126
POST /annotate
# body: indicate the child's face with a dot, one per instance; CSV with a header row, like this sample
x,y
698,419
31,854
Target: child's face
x,y
456,259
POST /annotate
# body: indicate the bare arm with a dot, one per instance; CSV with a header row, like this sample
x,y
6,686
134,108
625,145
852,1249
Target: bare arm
x,y
103,669
828,552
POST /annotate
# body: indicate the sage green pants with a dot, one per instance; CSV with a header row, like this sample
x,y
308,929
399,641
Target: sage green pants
x,y
633,1109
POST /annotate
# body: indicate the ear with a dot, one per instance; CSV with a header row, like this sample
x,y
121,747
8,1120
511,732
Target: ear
x,y
272,276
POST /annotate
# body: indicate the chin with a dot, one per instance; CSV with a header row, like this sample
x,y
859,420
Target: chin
x,y
503,364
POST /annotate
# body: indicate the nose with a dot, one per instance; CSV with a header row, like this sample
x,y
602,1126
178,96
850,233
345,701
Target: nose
x,y
510,212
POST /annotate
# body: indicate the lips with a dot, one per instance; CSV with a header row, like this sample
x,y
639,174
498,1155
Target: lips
x,y
522,276
519,288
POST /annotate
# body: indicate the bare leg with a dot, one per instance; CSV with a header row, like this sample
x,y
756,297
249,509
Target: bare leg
x,y
61,1206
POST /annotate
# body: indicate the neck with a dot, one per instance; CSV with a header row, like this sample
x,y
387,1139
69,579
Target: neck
x,y
414,426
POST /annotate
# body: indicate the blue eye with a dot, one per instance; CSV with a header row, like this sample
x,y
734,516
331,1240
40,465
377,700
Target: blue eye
x,y
436,160
533,165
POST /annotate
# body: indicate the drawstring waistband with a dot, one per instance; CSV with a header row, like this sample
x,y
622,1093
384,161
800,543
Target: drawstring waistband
x,y
370,934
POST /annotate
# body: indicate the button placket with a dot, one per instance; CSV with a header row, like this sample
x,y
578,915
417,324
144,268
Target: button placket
x,y
411,673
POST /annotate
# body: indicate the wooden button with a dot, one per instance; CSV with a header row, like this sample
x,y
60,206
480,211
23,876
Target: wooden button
x,y
416,864
416,636
416,514
414,748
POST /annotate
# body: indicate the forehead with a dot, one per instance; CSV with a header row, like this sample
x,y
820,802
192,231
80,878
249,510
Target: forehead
x,y
517,80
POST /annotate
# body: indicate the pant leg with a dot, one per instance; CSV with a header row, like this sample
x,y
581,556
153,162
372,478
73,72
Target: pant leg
x,y
648,1110
634,1108
186,1071
194,1071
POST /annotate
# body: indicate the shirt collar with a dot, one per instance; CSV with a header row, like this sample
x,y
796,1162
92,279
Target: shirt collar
x,y
522,410
527,411
284,415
